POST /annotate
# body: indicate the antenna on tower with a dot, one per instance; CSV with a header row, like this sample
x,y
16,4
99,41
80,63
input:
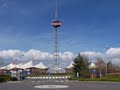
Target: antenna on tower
x,y
56,10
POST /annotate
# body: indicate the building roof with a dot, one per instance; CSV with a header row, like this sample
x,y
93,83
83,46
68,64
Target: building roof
x,y
28,65
70,66
19,65
92,66
41,66
24,66
11,66
3,67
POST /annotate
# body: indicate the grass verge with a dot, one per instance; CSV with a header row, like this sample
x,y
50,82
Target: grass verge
x,y
106,78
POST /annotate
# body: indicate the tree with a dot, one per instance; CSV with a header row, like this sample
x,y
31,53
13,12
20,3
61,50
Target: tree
x,y
112,68
81,64
109,67
101,67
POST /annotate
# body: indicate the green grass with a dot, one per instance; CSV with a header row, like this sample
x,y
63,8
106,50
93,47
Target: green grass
x,y
100,79
106,78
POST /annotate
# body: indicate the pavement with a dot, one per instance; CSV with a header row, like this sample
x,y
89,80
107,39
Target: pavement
x,y
58,84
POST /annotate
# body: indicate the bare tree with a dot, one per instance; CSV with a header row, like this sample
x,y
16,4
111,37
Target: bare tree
x,y
112,68
101,67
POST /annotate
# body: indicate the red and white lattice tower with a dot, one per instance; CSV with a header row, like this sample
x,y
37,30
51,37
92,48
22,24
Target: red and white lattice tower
x,y
56,24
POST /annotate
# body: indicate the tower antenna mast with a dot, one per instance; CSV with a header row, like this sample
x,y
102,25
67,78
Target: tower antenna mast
x,y
56,10
56,24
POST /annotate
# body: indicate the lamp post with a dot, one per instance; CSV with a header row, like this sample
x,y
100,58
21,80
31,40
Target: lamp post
x,y
21,66
105,58
33,56
106,48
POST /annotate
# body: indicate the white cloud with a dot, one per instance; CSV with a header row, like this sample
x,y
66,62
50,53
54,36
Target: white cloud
x,y
92,55
116,61
10,55
112,54
38,55
66,56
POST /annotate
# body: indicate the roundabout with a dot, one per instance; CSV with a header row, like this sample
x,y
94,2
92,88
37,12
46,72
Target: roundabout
x,y
51,86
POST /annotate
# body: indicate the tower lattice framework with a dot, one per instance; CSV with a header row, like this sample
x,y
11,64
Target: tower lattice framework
x,y
56,24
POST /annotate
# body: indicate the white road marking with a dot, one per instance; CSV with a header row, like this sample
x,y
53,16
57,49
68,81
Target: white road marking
x,y
51,86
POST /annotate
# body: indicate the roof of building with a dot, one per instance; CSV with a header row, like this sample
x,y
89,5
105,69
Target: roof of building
x,y
19,65
92,66
3,67
27,65
11,66
70,66
41,66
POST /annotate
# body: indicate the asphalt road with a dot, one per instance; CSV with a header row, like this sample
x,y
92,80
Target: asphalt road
x,y
61,85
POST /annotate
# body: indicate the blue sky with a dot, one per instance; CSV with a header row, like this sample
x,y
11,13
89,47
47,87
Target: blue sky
x,y
87,25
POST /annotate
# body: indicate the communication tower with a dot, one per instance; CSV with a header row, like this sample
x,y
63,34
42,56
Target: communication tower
x,y
56,24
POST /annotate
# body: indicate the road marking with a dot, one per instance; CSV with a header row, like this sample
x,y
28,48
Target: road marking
x,y
14,81
51,86
44,77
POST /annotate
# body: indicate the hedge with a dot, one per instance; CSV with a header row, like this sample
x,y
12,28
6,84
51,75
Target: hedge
x,y
2,79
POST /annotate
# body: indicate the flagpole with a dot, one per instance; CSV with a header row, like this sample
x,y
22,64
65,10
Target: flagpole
x,y
32,62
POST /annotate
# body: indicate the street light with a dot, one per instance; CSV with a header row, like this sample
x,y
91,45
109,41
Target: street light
x,y
106,47
20,70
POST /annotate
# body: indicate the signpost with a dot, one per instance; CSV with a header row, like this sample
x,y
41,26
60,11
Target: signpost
x,y
13,74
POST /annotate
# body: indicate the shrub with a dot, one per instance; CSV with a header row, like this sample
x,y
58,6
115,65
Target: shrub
x,y
2,79
13,79
72,78
112,75
6,77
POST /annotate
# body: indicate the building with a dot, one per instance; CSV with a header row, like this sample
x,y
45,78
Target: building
x,y
40,68
69,69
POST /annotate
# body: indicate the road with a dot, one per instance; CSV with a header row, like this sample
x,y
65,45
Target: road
x,y
58,84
